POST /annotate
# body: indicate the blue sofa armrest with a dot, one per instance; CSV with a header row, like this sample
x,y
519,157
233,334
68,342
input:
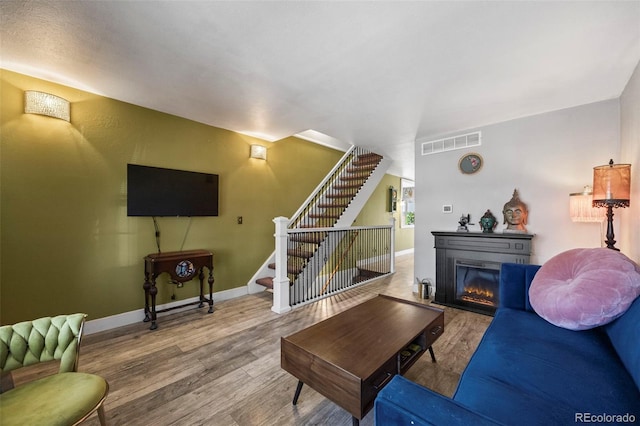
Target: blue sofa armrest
x,y
403,402
515,280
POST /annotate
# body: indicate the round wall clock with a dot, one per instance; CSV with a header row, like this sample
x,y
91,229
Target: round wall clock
x,y
470,163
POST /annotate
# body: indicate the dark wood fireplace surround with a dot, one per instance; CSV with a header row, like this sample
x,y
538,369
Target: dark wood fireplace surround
x,y
457,251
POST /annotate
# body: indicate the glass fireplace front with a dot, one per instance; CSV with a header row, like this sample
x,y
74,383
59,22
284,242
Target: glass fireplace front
x,y
476,284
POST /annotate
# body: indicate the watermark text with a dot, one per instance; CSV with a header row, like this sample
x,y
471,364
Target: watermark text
x,y
604,418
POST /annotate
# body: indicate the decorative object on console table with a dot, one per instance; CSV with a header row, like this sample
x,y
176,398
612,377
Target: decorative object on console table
x,y
515,214
463,222
182,266
611,188
468,267
488,222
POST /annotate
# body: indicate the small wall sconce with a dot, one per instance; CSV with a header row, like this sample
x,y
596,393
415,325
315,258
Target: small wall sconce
x,y
46,104
611,188
581,207
259,152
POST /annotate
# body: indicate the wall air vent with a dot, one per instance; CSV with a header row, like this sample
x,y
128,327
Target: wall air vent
x,y
454,142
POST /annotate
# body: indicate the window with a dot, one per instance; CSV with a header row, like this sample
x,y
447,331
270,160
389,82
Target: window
x,y
408,204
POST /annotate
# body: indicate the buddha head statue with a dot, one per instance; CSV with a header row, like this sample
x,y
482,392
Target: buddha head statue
x,y
515,214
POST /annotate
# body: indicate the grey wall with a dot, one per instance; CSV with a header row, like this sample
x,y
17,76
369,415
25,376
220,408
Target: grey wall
x,y
546,157
630,137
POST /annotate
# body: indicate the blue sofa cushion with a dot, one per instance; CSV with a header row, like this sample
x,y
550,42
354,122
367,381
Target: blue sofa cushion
x,y
515,280
625,337
403,402
530,370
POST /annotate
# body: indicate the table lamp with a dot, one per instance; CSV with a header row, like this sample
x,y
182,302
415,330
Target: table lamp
x,y
611,188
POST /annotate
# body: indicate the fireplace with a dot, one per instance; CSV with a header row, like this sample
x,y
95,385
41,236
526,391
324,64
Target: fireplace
x,y
468,267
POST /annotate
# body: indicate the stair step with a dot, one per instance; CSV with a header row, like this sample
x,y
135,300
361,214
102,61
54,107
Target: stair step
x,y
265,281
366,275
315,238
333,205
324,216
347,186
337,195
291,268
369,155
364,168
356,178
302,253
367,159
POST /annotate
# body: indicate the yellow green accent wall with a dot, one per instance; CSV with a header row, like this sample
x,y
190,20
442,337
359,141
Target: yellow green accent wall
x,y
66,243
376,212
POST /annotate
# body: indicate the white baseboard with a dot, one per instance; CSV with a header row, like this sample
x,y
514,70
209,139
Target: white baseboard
x,y
132,317
403,252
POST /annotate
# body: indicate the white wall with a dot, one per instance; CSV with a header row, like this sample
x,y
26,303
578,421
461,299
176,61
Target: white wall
x,y
546,157
630,153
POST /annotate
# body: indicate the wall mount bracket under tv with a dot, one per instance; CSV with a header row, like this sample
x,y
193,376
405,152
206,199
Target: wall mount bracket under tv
x,y
155,191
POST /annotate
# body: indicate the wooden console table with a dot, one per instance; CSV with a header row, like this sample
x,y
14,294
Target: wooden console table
x,y
182,266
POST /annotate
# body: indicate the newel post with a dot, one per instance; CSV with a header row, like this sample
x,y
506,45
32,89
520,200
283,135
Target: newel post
x,y
281,280
392,249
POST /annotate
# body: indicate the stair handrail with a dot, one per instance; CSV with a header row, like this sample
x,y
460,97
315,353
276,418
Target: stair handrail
x,y
304,290
331,175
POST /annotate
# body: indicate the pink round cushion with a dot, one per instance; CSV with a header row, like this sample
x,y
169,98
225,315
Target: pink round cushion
x,y
585,288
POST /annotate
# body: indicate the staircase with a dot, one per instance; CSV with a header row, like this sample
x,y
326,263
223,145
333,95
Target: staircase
x,y
336,202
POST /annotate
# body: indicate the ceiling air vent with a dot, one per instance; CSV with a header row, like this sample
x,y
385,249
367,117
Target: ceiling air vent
x,y
454,142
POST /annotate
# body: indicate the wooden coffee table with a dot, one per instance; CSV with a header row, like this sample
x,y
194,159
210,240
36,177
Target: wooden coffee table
x,y
351,356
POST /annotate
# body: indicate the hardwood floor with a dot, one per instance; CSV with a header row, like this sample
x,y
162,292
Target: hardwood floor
x,y
224,368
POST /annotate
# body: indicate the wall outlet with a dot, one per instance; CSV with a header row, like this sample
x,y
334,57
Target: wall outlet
x,y
447,208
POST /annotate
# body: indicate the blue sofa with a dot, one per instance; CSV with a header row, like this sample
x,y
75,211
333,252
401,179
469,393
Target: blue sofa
x,y
527,371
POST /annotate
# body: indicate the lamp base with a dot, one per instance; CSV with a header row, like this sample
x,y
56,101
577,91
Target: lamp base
x,y
610,237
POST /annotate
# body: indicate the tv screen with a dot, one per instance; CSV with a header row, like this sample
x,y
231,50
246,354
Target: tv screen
x,y
154,191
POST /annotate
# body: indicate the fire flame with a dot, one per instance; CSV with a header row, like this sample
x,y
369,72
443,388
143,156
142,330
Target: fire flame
x,y
479,295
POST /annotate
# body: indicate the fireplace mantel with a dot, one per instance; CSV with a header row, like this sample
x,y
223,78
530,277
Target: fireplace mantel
x,y
479,251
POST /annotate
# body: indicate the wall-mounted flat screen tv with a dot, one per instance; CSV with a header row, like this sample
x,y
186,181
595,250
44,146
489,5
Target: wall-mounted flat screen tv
x,y
154,191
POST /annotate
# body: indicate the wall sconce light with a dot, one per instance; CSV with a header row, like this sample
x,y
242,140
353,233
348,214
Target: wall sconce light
x,y
46,104
259,152
581,207
611,188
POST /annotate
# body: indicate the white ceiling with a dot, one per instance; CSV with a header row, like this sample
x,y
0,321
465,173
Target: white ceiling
x,y
374,74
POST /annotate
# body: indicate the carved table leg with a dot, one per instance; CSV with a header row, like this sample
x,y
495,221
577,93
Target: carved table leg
x,y
210,280
153,291
146,286
201,276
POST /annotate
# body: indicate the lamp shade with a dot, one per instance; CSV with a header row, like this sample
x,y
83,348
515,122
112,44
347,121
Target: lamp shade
x,y
259,152
46,104
612,184
581,207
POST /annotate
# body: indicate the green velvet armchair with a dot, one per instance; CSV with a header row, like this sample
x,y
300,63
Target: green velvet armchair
x,y
66,398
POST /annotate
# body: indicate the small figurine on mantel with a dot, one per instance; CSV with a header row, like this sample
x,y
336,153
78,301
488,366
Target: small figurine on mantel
x,y
515,214
488,222
464,221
